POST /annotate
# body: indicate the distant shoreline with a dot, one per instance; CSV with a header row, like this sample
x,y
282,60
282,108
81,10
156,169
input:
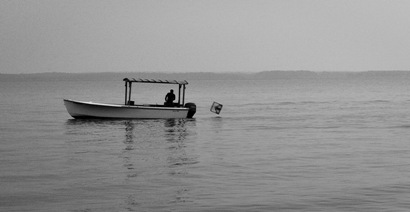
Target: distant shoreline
x,y
263,75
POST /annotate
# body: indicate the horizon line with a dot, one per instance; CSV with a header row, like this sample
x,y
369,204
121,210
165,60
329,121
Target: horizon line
x,y
210,72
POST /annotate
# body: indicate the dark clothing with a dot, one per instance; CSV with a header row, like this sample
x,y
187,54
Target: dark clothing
x,y
169,99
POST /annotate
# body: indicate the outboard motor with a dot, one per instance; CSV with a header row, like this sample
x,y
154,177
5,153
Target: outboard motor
x,y
192,109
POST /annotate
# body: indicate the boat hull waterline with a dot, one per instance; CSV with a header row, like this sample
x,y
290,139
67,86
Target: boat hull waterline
x,y
81,109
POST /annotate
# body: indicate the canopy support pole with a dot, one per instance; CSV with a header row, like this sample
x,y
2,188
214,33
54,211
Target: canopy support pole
x,y
126,84
129,94
183,96
179,95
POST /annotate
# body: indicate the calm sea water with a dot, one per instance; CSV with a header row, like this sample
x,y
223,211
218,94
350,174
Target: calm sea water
x,y
326,144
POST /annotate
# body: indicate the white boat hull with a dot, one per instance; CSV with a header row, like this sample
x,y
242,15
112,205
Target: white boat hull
x,y
80,109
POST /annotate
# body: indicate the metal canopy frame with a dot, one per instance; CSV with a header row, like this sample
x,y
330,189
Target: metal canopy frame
x,y
181,85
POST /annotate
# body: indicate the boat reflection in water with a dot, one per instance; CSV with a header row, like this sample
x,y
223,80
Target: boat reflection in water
x,y
139,135
159,152
139,162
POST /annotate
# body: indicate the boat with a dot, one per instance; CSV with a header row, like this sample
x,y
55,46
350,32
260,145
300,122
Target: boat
x,y
130,110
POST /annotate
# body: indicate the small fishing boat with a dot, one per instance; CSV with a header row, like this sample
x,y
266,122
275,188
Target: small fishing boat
x,y
130,110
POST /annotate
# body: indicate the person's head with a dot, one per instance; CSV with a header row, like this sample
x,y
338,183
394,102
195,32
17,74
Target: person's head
x,y
172,91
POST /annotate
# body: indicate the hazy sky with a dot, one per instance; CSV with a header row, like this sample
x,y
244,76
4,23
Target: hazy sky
x,y
203,36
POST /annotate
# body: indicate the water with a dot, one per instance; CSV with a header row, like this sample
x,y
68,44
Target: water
x,y
321,144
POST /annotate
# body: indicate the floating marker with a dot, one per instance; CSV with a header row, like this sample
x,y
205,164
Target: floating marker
x,y
216,107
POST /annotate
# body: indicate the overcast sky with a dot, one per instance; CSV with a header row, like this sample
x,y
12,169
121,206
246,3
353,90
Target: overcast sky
x,y
203,36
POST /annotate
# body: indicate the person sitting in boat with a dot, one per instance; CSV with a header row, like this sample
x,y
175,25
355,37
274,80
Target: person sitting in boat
x,y
169,98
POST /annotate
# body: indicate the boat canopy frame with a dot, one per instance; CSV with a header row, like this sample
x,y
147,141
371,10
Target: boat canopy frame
x,y
181,86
